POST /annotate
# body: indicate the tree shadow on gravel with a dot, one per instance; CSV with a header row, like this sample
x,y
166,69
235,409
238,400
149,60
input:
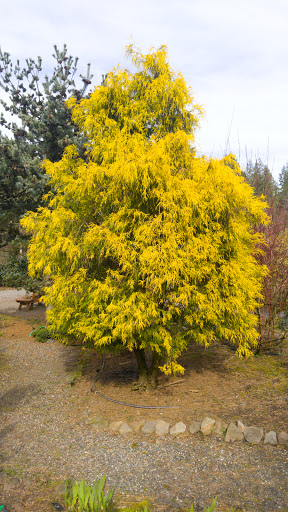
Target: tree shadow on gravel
x,y
17,395
5,431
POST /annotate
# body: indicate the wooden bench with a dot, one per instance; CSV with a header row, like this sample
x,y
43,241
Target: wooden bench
x,y
28,301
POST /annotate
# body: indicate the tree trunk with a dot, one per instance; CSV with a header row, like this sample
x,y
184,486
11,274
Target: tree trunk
x,y
153,371
147,376
142,368
259,347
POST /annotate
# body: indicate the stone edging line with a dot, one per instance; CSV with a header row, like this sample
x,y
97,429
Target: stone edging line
x,y
230,433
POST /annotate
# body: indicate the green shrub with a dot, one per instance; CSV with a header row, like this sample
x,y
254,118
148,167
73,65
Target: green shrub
x,y
43,334
14,273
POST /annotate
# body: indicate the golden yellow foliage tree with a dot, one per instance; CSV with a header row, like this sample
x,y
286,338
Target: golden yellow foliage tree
x,y
147,245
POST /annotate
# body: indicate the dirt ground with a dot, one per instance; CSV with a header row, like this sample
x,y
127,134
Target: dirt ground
x,y
216,384
215,381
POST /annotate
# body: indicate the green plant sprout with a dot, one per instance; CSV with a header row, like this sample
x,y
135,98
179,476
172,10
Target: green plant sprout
x,y
211,508
82,497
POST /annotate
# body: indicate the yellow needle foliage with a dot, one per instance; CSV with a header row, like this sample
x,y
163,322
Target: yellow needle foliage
x,y
147,245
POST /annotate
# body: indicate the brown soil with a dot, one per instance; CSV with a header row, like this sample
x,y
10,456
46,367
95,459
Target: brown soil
x,y
216,384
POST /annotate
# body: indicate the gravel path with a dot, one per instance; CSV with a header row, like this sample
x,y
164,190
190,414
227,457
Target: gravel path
x,y
44,429
8,304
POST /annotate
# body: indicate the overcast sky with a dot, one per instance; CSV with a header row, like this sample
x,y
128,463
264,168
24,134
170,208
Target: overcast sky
x,y
234,54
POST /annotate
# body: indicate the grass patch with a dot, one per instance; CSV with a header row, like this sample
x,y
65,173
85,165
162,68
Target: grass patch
x,y
264,373
5,320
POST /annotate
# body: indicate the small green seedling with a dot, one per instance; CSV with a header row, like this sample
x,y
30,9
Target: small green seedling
x,y
209,509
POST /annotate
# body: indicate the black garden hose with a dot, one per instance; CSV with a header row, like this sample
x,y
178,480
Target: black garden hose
x,y
93,388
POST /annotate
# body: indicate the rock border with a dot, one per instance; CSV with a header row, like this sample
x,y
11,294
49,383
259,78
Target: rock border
x,y
235,431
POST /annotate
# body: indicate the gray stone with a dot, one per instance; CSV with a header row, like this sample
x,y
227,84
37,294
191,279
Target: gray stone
x,y
233,433
125,429
95,419
240,425
148,427
271,438
207,425
101,424
115,425
179,428
162,428
219,427
137,424
253,435
194,427
11,484
283,438
3,476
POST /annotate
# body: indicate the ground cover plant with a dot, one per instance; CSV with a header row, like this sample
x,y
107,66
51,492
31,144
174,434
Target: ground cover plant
x,y
148,247
42,333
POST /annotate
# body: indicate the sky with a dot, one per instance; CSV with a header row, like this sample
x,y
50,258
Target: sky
x,y
234,55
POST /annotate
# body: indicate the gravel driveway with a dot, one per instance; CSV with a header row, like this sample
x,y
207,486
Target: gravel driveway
x,y
8,304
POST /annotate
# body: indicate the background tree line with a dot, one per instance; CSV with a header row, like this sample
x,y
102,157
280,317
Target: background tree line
x,y
273,311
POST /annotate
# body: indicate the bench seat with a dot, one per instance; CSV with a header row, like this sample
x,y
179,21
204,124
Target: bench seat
x,y
28,301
